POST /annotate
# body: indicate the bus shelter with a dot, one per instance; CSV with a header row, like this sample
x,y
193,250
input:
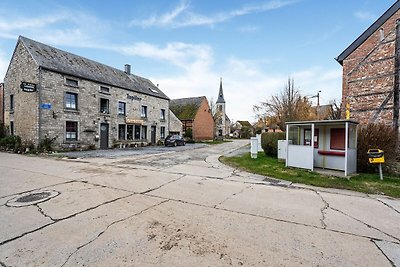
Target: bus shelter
x,y
327,144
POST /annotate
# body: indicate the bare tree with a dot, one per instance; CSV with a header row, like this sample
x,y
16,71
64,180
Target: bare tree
x,y
288,105
335,111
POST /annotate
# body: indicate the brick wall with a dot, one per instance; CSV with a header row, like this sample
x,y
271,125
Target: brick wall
x,y
203,126
22,68
1,103
368,76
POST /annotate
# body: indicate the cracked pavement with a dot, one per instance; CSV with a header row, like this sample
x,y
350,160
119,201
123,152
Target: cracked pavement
x,y
184,208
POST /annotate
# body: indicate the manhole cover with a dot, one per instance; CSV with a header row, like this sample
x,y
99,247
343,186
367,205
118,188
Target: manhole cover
x,y
31,198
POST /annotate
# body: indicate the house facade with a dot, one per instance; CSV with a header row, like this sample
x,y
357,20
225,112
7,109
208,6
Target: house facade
x,y
79,103
370,89
1,103
195,115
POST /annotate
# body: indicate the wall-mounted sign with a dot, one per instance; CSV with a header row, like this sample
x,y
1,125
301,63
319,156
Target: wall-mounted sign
x,y
28,87
133,97
45,105
133,121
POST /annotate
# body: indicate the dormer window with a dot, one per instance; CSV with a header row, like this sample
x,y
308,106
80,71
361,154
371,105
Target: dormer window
x,y
153,90
71,82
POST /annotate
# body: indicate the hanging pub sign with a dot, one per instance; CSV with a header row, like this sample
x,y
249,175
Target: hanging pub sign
x,y
28,87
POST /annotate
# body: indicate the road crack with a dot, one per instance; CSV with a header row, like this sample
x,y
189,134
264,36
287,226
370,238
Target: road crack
x,y
108,226
158,187
384,254
62,219
43,213
366,224
387,205
234,194
324,209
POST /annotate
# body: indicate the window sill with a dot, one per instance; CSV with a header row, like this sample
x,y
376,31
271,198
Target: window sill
x,y
71,141
11,111
71,110
105,114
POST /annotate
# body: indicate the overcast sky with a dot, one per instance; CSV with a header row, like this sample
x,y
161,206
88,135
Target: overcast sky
x,y
186,46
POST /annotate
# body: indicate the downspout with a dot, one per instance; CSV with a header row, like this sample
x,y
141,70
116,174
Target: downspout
x,y
396,83
39,133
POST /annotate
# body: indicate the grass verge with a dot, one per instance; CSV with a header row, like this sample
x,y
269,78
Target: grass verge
x,y
268,166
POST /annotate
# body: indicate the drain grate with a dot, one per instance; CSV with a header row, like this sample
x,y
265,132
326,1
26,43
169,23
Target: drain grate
x,y
31,198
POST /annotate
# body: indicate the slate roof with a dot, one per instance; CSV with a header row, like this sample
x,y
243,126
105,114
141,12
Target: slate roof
x,y
186,108
367,33
60,61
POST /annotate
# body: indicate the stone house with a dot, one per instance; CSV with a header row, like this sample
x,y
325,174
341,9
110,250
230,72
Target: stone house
x,y
195,114
1,103
242,129
79,103
370,87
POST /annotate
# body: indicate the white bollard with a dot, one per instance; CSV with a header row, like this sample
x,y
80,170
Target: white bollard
x,y
259,142
253,147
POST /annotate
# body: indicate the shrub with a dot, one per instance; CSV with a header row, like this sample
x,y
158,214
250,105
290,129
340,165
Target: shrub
x,y
375,135
11,142
189,133
269,143
47,144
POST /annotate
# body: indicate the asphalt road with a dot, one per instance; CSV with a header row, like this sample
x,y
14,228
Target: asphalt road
x,y
182,207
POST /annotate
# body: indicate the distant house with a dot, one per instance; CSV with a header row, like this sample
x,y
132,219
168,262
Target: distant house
x,y
370,71
242,129
195,114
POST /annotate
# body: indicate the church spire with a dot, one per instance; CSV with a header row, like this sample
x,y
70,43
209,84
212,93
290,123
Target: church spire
x,y
220,93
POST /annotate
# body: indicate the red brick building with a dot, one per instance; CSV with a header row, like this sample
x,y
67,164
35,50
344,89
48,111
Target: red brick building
x,y
371,71
195,114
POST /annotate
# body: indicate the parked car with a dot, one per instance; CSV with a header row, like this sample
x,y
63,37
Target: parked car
x,y
174,140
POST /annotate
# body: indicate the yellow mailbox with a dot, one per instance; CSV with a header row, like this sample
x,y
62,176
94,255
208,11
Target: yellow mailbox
x,y
376,156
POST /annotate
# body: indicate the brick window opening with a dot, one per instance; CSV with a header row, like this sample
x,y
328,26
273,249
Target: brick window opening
x,y
121,108
338,138
11,128
71,101
71,131
143,112
121,131
129,132
11,102
104,106
71,82
137,132
104,89
162,115
144,132
162,132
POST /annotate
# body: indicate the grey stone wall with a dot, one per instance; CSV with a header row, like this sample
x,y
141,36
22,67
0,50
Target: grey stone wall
x,y
88,113
22,68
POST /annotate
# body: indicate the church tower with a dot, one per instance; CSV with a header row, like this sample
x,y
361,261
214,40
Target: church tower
x,y
220,115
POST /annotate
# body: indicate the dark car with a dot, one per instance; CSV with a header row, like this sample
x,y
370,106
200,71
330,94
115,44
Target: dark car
x,y
174,140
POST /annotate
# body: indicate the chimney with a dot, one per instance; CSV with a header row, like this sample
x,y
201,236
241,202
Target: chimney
x,y
128,69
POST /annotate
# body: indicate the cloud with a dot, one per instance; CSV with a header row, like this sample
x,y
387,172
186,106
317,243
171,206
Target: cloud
x,y
3,66
181,16
61,27
364,16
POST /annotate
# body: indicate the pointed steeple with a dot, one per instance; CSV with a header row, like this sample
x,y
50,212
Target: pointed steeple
x,y
220,94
